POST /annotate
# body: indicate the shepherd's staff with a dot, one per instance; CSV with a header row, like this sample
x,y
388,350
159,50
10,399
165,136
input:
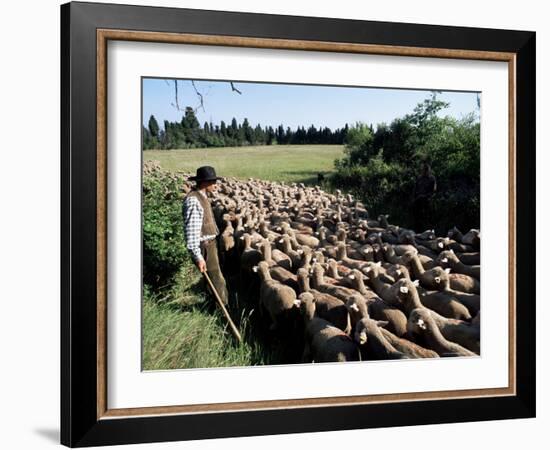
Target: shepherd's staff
x,y
225,312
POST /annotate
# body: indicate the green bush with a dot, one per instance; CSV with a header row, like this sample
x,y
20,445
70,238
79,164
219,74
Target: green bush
x,y
163,244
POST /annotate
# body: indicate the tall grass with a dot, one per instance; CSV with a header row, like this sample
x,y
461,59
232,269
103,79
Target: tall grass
x,y
183,329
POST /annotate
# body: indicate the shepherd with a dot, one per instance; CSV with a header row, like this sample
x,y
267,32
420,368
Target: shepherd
x,y
201,231
424,191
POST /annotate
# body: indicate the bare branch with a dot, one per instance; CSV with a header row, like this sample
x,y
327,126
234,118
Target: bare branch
x,y
198,95
177,103
234,89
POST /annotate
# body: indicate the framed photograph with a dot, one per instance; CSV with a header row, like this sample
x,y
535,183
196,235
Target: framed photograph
x,y
272,224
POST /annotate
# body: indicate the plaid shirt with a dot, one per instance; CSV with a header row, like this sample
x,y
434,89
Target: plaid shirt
x,y
192,219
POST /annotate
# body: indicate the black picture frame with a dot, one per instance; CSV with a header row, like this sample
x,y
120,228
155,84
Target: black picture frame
x,y
80,425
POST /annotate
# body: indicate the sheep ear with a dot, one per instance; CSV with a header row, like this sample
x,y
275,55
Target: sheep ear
x,y
362,337
448,270
404,289
379,264
452,251
368,269
421,323
299,251
416,282
447,239
382,323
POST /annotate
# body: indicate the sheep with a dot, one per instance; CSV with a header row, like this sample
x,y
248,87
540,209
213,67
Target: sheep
x,y
458,282
427,278
448,258
374,307
357,306
411,349
471,238
327,306
470,301
421,324
324,341
276,298
286,248
227,238
382,289
319,284
463,333
267,233
341,255
409,296
469,258
373,343
306,232
250,257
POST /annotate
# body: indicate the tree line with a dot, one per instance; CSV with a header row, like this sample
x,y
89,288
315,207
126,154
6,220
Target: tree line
x,y
188,133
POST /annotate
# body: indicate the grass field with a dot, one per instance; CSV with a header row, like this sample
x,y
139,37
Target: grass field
x,y
290,163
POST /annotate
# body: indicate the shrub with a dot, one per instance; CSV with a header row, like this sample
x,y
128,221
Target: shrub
x,y
163,244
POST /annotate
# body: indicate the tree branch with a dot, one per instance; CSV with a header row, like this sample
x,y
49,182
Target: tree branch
x,y
234,89
198,95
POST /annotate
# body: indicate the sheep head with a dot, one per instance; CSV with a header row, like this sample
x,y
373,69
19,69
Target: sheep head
x,y
306,303
420,321
367,326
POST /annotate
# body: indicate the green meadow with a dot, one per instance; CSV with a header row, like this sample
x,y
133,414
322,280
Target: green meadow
x,y
289,163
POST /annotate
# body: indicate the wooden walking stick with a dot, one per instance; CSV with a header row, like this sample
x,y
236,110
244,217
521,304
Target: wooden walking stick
x,y
234,329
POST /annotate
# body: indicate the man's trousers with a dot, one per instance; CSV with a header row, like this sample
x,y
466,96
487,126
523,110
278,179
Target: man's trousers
x,y
209,251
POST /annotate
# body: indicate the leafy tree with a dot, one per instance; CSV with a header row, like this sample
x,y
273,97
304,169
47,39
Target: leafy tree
x,y
380,166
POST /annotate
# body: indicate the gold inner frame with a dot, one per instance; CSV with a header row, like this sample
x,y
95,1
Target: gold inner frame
x,y
104,35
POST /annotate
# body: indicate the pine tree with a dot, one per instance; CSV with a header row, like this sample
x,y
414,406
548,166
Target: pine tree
x,y
153,126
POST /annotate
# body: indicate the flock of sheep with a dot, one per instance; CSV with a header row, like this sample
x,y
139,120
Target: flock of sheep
x,y
357,288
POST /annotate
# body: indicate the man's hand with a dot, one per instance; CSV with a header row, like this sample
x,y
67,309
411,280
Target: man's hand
x,y
201,265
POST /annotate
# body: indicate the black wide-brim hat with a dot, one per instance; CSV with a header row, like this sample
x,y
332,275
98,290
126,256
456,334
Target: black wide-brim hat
x,y
205,173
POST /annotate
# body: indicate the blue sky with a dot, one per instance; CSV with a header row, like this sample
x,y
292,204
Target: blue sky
x,y
291,105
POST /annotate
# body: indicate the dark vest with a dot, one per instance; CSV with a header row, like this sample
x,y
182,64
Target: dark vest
x,y
208,222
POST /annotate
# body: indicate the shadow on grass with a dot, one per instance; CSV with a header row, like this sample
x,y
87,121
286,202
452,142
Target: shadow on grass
x,y
308,177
